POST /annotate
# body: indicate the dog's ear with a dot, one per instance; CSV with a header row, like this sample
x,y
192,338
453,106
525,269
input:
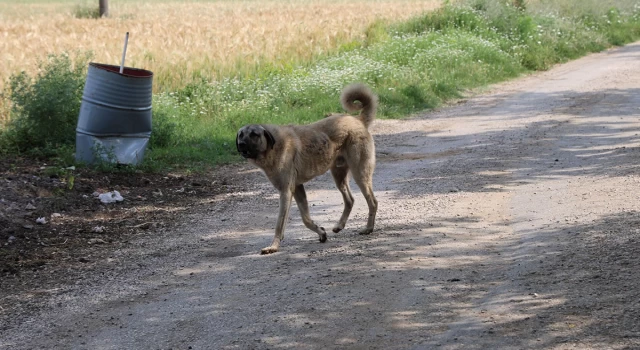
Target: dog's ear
x,y
271,141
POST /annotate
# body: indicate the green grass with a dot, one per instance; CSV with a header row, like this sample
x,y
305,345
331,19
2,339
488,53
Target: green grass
x,y
86,10
413,66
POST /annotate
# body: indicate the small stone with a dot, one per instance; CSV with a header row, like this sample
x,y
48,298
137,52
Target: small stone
x,y
96,241
30,207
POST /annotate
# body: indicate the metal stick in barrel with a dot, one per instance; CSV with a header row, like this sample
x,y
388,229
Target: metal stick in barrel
x,y
124,52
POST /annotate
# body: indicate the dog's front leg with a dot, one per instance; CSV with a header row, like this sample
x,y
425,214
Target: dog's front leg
x,y
283,215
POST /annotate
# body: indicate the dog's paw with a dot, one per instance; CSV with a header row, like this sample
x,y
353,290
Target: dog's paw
x,y
268,250
322,234
337,228
365,231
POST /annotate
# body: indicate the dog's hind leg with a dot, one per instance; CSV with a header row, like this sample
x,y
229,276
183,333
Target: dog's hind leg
x,y
301,200
341,178
363,176
367,191
283,215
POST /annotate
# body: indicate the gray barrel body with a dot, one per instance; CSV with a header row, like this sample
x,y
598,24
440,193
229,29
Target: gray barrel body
x,y
114,123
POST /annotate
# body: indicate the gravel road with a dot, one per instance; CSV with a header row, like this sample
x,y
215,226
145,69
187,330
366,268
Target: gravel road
x,y
509,220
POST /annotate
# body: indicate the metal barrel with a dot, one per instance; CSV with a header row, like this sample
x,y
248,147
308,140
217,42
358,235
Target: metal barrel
x,y
114,123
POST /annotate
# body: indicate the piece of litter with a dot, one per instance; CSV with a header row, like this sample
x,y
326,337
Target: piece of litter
x,y
41,221
98,229
110,197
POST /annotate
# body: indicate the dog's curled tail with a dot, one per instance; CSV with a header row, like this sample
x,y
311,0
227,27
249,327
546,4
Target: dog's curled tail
x,y
367,102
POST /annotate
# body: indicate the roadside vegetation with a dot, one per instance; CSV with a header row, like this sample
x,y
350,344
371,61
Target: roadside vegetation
x,y
414,65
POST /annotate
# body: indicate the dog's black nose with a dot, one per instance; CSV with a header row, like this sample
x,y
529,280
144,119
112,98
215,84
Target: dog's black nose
x,y
242,146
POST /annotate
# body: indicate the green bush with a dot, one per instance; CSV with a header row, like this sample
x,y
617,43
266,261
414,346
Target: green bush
x,y
44,108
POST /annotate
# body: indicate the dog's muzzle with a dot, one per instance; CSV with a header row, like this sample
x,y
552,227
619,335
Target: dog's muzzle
x,y
247,155
244,151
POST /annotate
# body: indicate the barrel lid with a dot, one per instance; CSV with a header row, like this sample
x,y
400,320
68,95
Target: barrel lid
x,y
128,71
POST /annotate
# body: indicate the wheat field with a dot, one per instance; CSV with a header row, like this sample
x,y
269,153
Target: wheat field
x,y
184,40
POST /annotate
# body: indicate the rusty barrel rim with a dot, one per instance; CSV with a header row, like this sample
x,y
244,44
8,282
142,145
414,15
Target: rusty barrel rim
x,y
126,71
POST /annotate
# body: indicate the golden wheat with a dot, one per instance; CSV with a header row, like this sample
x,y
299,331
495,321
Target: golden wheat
x,y
181,41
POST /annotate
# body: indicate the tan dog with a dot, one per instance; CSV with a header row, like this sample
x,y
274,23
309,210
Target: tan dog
x,y
294,154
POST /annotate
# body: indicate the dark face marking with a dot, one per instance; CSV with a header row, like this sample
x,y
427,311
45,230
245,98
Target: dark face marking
x,y
252,140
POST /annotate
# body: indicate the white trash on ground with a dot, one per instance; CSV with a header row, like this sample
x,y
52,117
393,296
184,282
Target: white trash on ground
x,y
110,197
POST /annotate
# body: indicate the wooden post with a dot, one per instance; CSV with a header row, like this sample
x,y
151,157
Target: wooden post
x,y
104,8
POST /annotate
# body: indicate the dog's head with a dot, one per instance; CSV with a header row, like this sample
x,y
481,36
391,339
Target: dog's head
x,y
253,140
